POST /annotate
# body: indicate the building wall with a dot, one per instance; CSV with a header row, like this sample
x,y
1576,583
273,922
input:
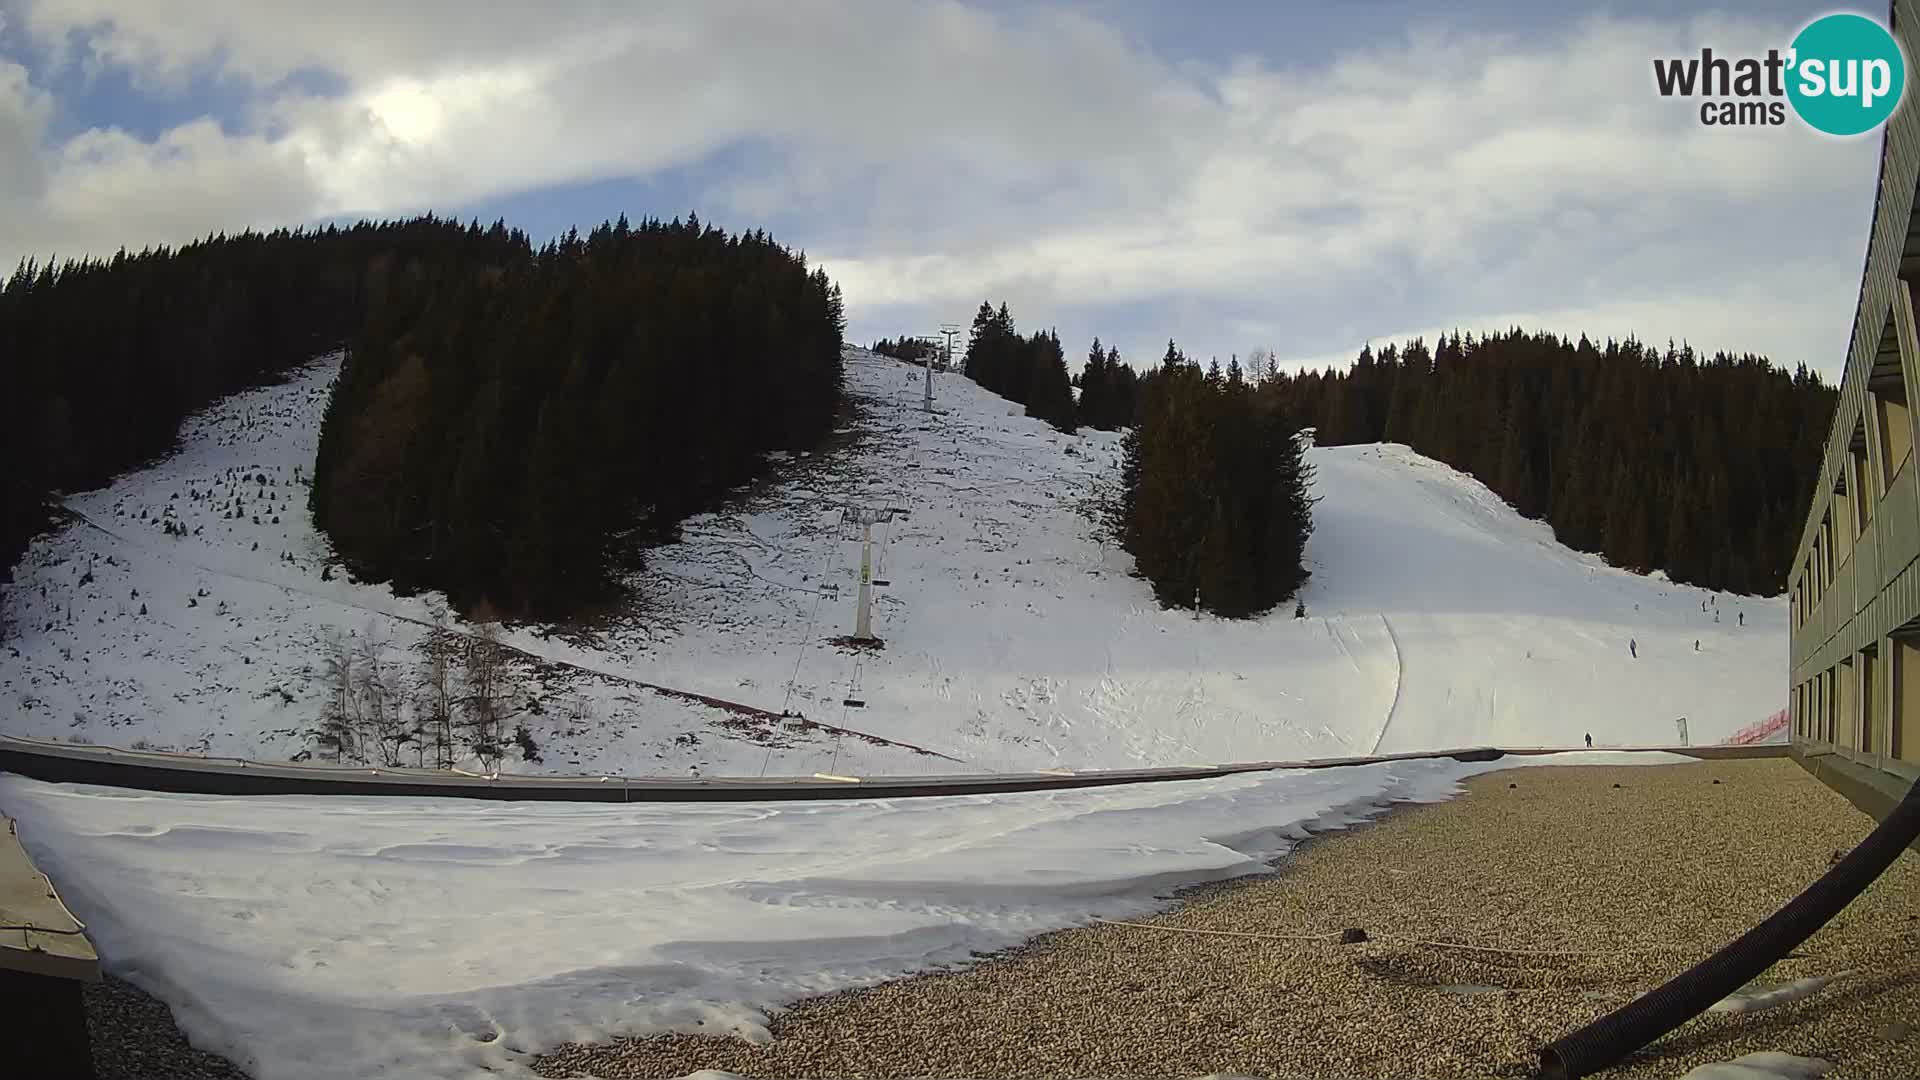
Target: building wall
x,y
1854,591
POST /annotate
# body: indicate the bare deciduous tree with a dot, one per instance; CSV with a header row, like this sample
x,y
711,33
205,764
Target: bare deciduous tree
x,y
1257,361
338,734
377,685
434,716
483,701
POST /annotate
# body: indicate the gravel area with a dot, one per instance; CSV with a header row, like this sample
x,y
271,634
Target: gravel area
x,y
1600,881
134,1038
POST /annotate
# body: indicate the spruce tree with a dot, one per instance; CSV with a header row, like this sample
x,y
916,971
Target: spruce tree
x,y
1125,389
1049,393
1215,505
1096,407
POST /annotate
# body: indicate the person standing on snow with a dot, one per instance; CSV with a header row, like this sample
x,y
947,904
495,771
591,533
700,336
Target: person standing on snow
x,y
1589,740
1633,648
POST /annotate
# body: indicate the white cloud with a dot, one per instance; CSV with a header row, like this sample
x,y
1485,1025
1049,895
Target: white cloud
x,y
949,154
23,120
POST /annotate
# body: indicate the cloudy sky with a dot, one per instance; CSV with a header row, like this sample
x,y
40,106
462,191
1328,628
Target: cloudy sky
x,y
1298,176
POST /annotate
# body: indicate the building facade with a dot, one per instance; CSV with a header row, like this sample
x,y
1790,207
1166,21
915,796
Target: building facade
x,y
1854,590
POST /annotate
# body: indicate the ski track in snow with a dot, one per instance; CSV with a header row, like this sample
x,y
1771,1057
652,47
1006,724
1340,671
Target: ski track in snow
x,y
1399,677
1014,638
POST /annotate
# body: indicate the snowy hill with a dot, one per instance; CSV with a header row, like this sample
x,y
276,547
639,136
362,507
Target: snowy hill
x,y
1013,637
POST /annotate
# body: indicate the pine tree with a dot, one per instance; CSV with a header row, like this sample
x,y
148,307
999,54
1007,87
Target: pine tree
x,y
1049,393
1097,393
1225,577
1125,388
974,363
1215,506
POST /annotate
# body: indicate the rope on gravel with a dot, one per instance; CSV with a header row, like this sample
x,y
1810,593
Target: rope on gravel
x,y
1221,933
1335,934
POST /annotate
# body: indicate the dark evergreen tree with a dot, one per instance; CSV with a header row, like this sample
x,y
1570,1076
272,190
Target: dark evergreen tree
x,y
1125,390
1049,393
1097,398
1215,503
1031,371
913,350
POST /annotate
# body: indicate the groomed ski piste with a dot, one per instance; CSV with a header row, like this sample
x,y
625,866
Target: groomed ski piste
x,y
1015,639
309,937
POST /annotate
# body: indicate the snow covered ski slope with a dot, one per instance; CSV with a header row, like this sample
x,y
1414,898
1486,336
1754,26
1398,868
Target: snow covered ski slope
x,y
1505,637
1014,638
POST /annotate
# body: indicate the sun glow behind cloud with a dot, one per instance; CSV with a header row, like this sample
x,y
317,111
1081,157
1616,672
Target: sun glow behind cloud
x,y
1304,204
408,110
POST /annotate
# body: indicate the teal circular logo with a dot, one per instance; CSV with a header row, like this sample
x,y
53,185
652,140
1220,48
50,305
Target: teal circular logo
x,y
1845,74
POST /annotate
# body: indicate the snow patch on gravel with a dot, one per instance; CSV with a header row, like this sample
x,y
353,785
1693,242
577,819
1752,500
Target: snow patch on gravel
x,y
320,938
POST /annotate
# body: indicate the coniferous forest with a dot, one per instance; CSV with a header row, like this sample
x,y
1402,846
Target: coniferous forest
x,y
502,431
1214,504
1656,459
100,359
1213,501
508,418
912,350
505,419
1108,387
1700,467
1031,371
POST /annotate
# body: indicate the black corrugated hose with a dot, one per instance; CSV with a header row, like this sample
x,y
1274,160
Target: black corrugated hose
x,y
1612,1037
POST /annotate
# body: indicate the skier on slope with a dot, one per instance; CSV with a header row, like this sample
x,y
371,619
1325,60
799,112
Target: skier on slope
x,y
1633,648
1589,740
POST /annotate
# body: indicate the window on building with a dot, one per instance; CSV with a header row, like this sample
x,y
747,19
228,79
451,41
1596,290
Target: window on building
x,y
1853,523
1903,713
1826,705
1887,384
1896,430
1859,480
1846,702
1872,703
1826,550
